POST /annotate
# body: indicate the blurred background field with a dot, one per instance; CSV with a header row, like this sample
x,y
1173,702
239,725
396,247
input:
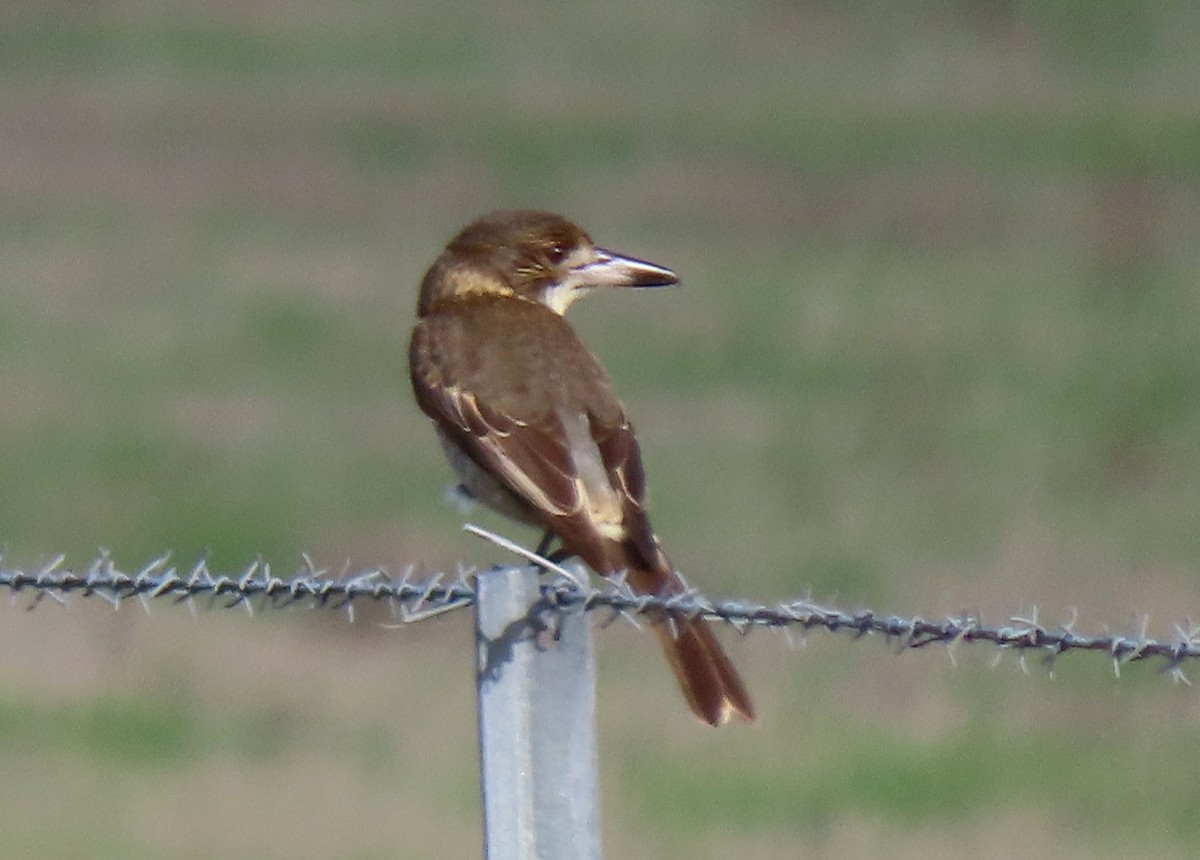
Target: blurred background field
x,y
938,347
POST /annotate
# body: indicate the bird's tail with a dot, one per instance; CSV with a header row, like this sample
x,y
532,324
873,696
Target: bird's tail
x,y
710,684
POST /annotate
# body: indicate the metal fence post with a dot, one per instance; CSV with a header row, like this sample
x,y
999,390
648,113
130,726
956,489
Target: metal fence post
x,y
537,727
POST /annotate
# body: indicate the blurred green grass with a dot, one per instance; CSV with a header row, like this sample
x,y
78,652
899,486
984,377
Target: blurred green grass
x,y
938,346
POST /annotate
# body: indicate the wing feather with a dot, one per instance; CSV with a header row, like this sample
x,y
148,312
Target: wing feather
x,y
576,463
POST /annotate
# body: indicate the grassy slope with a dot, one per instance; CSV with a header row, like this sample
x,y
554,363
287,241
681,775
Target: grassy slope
x,y
939,339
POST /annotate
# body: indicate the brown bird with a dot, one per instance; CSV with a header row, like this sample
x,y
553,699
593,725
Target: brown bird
x,y
530,423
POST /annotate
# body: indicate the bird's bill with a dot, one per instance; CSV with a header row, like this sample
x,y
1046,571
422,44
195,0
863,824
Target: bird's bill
x,y
607,269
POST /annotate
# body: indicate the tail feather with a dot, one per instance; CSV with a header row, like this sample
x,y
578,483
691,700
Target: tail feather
x,y
710,683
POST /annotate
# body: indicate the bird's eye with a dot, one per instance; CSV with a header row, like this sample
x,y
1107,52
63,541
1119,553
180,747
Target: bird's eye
x,y
556,254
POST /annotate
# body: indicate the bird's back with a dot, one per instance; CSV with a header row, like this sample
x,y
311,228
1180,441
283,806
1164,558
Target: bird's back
x,y
518,357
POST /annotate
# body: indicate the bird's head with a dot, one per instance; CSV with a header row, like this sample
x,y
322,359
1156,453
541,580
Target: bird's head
x,y
534,256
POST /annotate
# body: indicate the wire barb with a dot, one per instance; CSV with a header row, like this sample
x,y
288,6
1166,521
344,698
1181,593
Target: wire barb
x,y
413,599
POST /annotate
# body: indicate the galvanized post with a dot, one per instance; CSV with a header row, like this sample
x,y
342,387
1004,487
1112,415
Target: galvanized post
x,y
537,726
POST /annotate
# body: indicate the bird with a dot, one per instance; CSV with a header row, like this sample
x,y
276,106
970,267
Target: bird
x,y
532,426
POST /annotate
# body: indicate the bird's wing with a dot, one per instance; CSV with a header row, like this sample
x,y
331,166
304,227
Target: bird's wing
x,y
581,472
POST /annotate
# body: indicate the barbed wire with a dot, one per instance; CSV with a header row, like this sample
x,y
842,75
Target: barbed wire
x,y
412,598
